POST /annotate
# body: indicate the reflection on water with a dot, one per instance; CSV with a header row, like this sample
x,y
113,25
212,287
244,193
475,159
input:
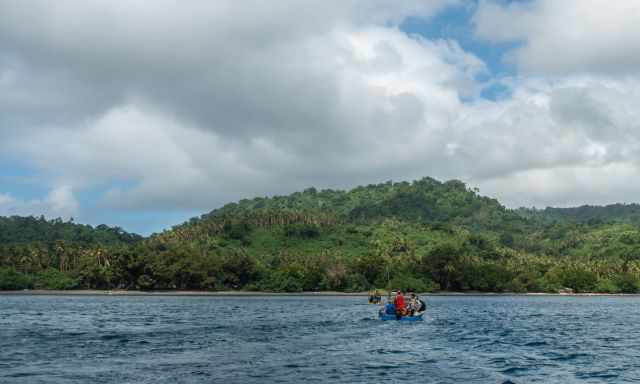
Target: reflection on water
x,y
506,339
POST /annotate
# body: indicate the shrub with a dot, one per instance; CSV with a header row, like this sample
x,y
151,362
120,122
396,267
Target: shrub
x,y
145,282
237,231
516,285
10,279
550,283
406,283
302,231
283,281
606,286
52,278
627,283
356,282
579,279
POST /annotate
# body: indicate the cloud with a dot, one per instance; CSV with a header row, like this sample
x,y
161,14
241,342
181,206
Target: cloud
x,y
566,186
197,60
350,99
565,37
5,199
579,120
188,107
59,203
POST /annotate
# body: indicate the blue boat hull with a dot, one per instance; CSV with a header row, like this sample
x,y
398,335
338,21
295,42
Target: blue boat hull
x,y
385,316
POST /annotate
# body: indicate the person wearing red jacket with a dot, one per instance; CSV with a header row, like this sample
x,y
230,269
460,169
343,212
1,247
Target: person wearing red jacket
x,y
399,302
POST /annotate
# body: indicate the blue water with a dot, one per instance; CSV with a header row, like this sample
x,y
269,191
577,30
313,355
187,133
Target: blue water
x,y
53,339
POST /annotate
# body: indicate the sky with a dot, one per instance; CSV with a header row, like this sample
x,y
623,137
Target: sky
x,y
142,114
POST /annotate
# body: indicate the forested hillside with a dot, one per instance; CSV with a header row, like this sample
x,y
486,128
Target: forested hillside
x,y
27,230
425,235
613,213
35,252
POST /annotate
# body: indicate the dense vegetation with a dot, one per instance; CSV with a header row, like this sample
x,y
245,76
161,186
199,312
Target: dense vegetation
x,y
425,235
27,230
617,213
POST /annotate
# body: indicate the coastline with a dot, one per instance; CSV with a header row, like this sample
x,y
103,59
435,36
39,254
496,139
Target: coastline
x,y
88,292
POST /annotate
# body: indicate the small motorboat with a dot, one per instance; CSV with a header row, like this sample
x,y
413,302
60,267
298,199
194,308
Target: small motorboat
x,y
375,297
386,316
388,311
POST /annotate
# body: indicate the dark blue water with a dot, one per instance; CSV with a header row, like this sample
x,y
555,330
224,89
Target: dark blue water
x,y
48,339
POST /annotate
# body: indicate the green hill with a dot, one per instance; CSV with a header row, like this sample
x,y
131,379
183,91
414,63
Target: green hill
x,y
25,230
425,235
426,201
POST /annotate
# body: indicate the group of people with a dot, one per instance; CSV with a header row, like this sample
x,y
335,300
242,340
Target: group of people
x,y
400,307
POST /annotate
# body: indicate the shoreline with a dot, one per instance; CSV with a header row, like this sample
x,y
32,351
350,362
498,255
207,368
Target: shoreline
x,y
88,292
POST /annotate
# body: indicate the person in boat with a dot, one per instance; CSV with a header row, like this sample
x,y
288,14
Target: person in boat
x,y
401,310
423,305
390,307
416,305
412,307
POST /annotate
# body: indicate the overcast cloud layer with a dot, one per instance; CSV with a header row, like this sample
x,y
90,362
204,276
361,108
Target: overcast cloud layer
x,y
183,107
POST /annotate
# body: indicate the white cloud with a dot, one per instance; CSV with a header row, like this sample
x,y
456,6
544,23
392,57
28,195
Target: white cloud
x,y
567,186
5,199
176,107
568,36
343,108
59,203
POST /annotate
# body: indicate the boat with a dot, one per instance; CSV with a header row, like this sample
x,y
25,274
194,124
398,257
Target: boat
x,y
385,316
375,297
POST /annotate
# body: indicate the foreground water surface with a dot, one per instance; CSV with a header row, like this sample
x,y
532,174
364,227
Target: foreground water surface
x,y
506,339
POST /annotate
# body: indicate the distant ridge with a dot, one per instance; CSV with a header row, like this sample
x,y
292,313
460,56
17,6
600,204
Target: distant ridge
x,y
16,230
612,213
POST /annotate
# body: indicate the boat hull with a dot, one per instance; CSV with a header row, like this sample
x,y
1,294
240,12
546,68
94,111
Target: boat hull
x,y
385,316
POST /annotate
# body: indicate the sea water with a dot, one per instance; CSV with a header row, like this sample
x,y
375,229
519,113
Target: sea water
x,y
499,339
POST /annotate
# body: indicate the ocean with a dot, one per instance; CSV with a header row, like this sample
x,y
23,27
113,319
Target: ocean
x,y
291,339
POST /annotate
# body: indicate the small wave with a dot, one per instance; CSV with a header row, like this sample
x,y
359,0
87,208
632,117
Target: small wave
x,y
597,374
73,334
381,366
571,356
115,337
513,370
22,374
536,344
383,351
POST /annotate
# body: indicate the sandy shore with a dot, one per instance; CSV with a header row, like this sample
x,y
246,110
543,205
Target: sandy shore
x,y
85,292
